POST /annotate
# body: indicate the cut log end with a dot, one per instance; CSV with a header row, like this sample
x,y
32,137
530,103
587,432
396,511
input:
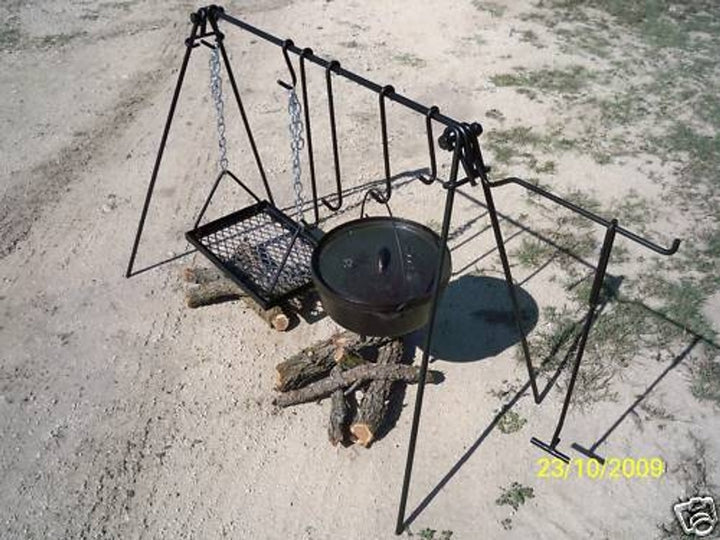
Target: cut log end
x,y
211,287
280,322
362,433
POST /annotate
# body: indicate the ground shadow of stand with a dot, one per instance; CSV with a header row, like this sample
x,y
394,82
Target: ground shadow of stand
x,y
477,306
458,317
591,450
573,337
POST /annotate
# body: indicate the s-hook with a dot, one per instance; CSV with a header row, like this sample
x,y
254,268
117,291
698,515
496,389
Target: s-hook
x,y
432,111
288,43
384,198
332,65
308,133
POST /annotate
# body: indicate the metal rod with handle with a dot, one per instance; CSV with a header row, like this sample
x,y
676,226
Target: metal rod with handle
x,y
589,319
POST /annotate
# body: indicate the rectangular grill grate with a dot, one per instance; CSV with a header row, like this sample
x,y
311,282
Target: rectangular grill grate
x,y
249,247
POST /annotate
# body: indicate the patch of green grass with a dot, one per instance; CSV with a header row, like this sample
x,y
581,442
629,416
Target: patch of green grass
x,y
10,37
681,300
515,495
408,59
57,40
518,144
90,16
706,380
634,210
571,80
506,523
586,38
532,252
656,412
511,422
476,39
528,36
429,534
547,167
496,10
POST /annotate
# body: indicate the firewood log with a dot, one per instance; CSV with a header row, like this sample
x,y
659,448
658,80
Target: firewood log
x,y
373,407
338,414
310,364
316,361
363,373
212,288
200,275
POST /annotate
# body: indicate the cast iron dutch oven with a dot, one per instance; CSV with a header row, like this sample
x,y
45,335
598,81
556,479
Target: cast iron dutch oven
x,y
375,275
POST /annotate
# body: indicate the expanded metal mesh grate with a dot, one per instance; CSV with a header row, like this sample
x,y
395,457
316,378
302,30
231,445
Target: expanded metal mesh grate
x,y
250,245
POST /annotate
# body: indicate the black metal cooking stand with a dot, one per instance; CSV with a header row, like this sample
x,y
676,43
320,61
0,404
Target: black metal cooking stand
x,y
460,138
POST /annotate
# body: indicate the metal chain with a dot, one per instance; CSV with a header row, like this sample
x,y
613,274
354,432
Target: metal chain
x,y
216,91
296,144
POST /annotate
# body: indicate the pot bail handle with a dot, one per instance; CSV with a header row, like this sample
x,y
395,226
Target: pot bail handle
x,y
384,253
375,194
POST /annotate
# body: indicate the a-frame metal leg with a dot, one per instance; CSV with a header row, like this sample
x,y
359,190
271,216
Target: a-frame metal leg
x,y
492,212
449,199
190,45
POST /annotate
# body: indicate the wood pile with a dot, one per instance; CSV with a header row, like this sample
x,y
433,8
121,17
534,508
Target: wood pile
x,y
358,374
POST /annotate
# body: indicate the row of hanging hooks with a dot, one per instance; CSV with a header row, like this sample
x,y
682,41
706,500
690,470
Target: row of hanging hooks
x,y
381,196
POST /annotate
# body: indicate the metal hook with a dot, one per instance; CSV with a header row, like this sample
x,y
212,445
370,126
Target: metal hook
x,y
332,65
383,198
308,132
432,111
286,44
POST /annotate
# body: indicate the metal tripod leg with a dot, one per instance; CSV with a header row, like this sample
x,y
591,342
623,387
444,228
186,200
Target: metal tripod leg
x,y
400,525
190,44
594,300
511,286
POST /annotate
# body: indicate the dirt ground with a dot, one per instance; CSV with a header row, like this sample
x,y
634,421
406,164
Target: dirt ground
x,y
125,414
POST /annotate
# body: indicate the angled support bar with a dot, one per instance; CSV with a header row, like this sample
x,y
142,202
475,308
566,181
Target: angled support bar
x,y
589,215
197,19
214,188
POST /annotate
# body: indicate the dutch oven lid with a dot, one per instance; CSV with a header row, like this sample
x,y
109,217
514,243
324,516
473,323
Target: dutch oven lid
x,y
378,261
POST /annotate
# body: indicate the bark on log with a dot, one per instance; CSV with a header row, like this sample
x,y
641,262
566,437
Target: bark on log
x,y
213,288
201,275
373,407
338,414
310,364
363,373
213,293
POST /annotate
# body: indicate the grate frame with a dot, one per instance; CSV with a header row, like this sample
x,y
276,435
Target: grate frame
x,y
249,245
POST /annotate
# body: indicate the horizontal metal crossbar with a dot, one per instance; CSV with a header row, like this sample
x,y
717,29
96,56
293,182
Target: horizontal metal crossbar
x,y
338,69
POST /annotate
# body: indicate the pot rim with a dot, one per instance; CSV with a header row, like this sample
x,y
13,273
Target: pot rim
x,y
325,289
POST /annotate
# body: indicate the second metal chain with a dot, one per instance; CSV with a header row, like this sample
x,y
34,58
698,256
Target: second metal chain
x,y
216,91
296,144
